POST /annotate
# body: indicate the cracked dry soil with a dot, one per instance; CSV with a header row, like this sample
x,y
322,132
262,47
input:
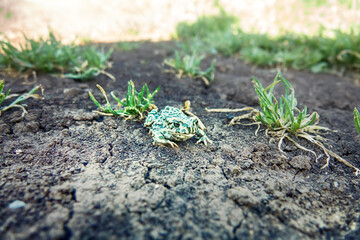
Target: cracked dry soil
x,y
85,176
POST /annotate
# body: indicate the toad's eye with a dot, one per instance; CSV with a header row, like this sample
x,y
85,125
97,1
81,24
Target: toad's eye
x,y
176,124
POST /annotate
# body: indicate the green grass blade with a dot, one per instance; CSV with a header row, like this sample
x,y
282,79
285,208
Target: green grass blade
x,y
271,87
21,98
150,97
129,93
116,98
289,111
25,96
2,84
3,95
94,100
141,94
357,119
286,83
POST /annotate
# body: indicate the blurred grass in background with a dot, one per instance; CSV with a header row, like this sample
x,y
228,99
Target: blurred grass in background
x,y
350,4
52,56
319,35
325,50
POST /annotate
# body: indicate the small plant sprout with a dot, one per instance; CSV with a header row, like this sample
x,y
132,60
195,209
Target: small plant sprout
x,y
91,63
283,120
20,98
134,105
357,119
189,65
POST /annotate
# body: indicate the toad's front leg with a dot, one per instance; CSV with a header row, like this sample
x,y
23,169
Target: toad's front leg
x,y
161,140
200,134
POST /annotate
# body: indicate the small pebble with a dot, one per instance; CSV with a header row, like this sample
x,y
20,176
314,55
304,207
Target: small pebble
x,y
18,151
16,204
229,116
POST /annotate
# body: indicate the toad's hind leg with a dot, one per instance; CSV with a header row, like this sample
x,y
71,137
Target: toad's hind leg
x,y
159,139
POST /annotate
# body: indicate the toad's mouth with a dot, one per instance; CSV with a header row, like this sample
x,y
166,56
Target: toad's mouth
x,y
182,136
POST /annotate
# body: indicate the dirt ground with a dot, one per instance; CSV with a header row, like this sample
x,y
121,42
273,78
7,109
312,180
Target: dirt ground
x,y
86,176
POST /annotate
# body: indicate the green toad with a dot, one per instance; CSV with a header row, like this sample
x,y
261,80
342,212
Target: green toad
x,y
172,124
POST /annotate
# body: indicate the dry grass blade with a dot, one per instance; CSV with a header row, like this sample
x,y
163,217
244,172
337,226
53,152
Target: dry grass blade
x,y
186,110
228,109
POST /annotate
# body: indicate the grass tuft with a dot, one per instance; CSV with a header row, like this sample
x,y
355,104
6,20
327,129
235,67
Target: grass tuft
x,y
189,65
133,106
51,56
276,115
283,120
20,98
